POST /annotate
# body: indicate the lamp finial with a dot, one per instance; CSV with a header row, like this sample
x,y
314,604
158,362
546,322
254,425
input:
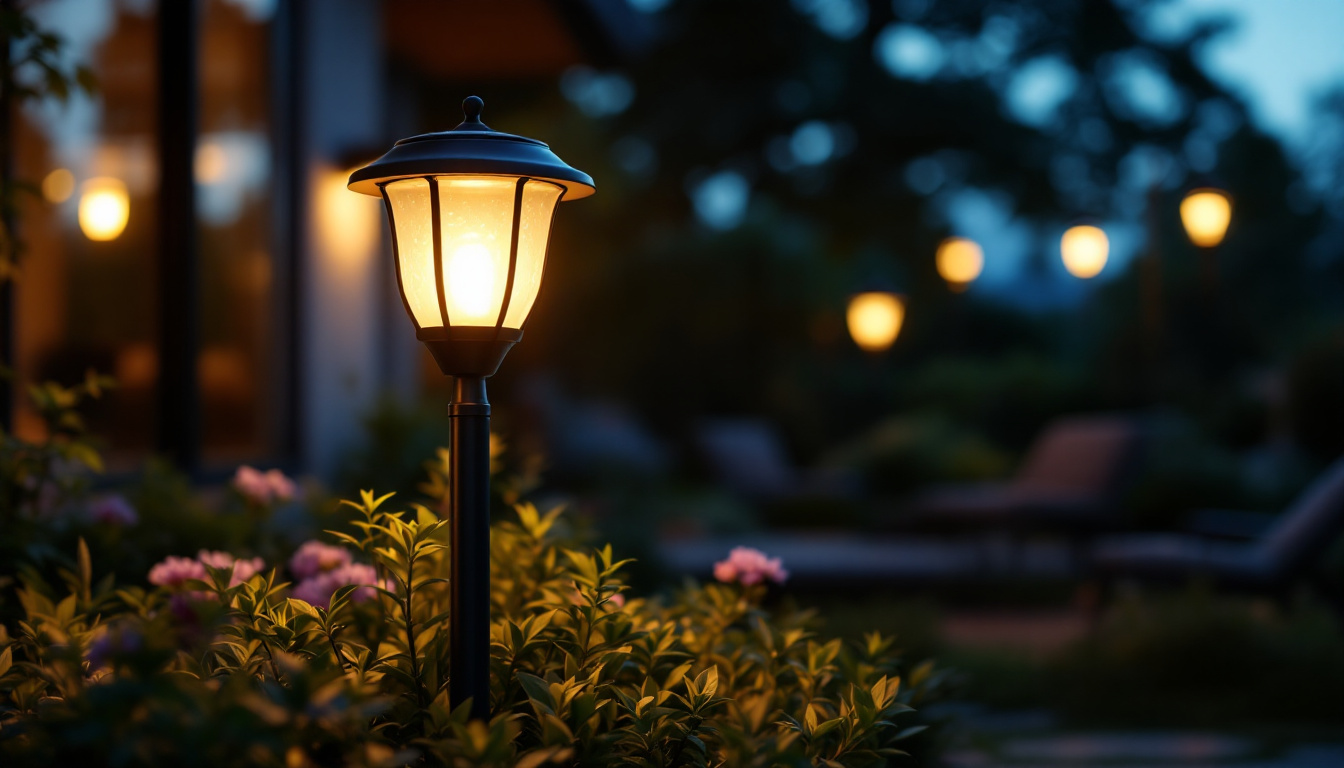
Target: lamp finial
x,y
471,109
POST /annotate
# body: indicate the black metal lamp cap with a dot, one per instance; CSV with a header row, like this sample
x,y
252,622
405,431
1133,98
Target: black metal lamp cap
x,y
471,149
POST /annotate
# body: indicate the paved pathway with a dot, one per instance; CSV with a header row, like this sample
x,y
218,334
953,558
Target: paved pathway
x,y
1032,739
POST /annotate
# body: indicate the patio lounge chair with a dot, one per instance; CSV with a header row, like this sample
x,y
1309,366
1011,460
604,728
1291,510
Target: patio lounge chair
x,y
1069,484
1272,563
749,458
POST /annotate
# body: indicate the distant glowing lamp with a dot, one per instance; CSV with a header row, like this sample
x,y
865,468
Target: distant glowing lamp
x,y
1206,213
1084,249
104,207
470,211
875,319
960,261
58,186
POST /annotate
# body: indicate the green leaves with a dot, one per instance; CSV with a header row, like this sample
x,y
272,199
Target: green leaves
x,y
706,677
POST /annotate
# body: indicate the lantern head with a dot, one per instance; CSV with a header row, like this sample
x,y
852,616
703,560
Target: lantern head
x,y
471,212
875,319
1206,212
1084,249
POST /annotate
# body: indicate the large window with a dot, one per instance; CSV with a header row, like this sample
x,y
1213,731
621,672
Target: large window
x,y
91,294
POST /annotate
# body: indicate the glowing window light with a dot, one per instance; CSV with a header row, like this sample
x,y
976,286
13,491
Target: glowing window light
x,y
875,319
960,261
1206,214
104,208
1084,249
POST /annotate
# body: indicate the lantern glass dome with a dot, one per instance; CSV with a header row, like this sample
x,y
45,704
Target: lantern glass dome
x,y
480,278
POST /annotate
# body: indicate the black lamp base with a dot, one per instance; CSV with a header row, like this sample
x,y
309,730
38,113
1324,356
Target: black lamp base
x,y
469,351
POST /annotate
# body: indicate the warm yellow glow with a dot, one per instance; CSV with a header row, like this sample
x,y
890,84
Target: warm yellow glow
x,y
875,319
58,186
476,232
960,261
470,279
1084,249
104,208
212,163
1206,214
348,225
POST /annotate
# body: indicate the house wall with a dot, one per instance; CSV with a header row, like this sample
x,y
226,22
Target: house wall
x,y
349,353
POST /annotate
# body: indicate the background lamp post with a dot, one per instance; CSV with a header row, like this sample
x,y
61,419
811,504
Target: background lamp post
x,y
1084,250
960,261
470,211
875,319
1205,213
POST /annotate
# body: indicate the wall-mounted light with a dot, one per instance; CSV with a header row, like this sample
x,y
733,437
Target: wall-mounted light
x,y
104,208
1084,249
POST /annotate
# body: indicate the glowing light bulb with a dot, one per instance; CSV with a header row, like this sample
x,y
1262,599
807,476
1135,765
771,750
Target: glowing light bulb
x,y
470,280
58,186
104,208
960,260
1084,249
875,319
1206,214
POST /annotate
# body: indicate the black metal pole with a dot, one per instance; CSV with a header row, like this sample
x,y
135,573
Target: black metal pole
x,y
469,496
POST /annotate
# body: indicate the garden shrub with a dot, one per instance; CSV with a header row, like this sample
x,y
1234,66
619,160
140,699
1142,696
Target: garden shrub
x,y
1200,659
337,654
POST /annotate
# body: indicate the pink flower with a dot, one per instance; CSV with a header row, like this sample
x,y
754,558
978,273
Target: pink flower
x,y
617,599
749,566
314,557
176,571
112,510
281,487
252,484
318,589
263,487
242,569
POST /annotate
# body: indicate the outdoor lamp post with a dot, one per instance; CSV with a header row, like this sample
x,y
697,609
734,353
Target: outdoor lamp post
x,y
874,319
1205,213
1084,249
470,211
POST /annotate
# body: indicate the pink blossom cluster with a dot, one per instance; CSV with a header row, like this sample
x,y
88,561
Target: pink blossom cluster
x,y
314,557
749,566
318,589
263,487
112,510
175,572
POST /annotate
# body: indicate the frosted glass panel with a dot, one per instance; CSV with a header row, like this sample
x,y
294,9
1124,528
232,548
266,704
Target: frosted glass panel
x,y
539,199
477,216
415,249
